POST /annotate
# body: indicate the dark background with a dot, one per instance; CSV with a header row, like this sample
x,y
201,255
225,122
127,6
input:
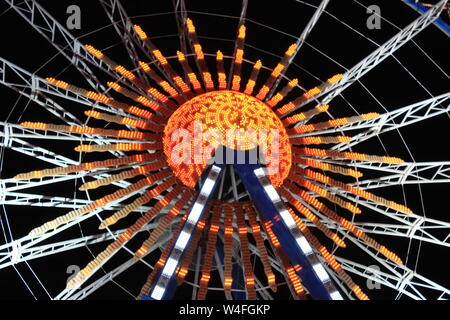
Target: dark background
x,y
271,27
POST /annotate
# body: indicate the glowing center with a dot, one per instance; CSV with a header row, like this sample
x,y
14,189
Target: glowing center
x,y
227,118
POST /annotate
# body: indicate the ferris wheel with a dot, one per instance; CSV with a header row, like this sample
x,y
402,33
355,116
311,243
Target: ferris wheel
x,y
192,166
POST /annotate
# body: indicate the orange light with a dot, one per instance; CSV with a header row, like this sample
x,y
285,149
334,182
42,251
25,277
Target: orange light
x,y
140,32
58,83
190,26
221,111
95,52
180,56
241,32
335,78
144,66
114,85
198,51
124,72
158,55
290,51
219,55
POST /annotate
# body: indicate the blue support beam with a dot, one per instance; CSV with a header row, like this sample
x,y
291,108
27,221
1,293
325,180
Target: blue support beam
x,y
317,287
299,252
165,283
439,22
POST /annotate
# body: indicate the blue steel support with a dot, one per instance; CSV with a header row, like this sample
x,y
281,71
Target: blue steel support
x,y
165,284
439,22
265,205
313,275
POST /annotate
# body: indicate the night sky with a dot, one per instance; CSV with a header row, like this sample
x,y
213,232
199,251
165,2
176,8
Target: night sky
x,y
341,35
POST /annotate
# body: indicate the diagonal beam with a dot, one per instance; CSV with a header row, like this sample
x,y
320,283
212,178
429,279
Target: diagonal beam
x,y
34,151
396,119
240,23
392,120
379,55
180,17
70,47
301,39
82,293
17,254
22,81
124,28
410,173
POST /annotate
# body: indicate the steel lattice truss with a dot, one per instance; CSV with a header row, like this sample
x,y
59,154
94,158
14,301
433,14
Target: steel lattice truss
x,y
15,137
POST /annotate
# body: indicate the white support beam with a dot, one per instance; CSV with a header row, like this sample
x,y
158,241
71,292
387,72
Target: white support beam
x,y
422,230
398,277
34,151
124,28
241,22
409,282
10,131
37,88
83,292
409,173
411,226
28,241
300,40
180,17
26,83
392,120
70,47
379,55
16,254
396,119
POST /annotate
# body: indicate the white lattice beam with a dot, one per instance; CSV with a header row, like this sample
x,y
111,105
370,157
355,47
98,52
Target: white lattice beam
x,y
300,40
379,55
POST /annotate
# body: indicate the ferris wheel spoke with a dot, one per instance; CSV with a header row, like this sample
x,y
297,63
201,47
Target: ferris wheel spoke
x,y
409,173
61,39
17,254
30,240
79,293
27,84
300,40
417,224
238,43
379,55
420,231
180,17
36,89
130,39
37,152
410,226
37,200
410,283
124,28
401,276
392,120
11,130
396,119
12,137
11,185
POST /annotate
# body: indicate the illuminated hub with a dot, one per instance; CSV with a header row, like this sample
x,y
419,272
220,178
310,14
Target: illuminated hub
x,y
229,118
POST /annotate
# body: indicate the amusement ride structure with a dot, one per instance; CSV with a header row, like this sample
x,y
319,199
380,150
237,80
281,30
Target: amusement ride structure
x,y
214,172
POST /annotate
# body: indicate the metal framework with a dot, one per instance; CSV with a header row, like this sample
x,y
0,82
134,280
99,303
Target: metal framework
x,y
414,227
301,39
379,55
